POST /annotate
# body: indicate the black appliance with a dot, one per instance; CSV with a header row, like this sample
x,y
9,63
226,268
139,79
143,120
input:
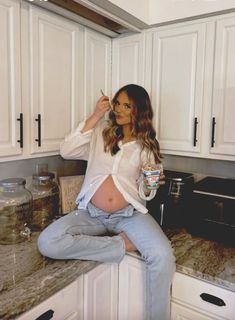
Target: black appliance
x,y
213,210
171,204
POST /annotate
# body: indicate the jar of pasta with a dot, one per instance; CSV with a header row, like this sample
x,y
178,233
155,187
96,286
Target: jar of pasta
x,y
46,200
15,211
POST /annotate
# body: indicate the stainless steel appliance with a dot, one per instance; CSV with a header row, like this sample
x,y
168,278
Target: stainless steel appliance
x,y
213,210
170,207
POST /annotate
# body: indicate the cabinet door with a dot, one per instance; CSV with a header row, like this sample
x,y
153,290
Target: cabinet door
x,y
98,68
56,92
177,87
223,111
128,61
62,305
100,293
10,96
131,289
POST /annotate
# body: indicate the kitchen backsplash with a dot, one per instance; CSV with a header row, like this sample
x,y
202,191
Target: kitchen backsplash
x,y
25,168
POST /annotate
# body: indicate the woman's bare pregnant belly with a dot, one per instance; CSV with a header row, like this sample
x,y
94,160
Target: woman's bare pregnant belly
x,y
108,197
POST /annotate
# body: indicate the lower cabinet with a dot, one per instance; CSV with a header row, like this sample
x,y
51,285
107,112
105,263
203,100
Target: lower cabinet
x,y
116,292
131,289
101,293
193,299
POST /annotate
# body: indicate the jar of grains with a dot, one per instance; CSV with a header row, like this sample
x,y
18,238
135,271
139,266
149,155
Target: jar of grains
x,y
46,200
15,211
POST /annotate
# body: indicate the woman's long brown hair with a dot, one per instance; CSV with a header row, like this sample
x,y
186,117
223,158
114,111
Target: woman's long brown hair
x,y
142,127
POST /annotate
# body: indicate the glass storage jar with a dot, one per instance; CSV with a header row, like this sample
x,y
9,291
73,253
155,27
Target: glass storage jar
x,y
15,211
46,200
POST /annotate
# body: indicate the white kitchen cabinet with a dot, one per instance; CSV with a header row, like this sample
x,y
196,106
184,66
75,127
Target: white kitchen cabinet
x,y
131,289
98,68
177,87
115,292
101,293
54,71
128,61
191,296
223,103
64,305
10,78
193,88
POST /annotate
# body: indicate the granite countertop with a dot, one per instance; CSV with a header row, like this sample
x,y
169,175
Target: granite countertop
x,y
26,278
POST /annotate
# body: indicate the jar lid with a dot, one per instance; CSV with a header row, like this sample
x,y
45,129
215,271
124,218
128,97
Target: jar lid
x,y
10,182
44,176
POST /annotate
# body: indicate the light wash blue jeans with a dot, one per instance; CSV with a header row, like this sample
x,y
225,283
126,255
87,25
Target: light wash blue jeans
x,y
82,234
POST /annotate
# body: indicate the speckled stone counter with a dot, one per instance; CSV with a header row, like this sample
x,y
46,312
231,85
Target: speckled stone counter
x,y
26,278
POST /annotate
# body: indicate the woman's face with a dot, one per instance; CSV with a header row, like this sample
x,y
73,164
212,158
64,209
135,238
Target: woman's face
x,y
123,107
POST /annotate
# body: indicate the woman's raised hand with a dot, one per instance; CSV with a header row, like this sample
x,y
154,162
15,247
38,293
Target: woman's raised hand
x,y
102,106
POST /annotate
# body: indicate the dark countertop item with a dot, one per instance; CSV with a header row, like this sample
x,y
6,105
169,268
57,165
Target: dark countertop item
x,y
26,278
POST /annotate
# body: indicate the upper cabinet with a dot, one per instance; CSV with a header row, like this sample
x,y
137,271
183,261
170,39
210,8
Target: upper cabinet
x,y
128,61
223,105
11,120
189,71
98,68
193,82
52,70
177,86
53,60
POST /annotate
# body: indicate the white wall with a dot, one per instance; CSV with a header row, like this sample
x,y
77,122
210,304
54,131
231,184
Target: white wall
x,y
168,10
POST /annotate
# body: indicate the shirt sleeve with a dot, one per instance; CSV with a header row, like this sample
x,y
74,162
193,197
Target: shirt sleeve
x,y
76,145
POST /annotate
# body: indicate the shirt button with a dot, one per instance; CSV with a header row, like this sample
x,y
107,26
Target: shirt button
x,y
91,184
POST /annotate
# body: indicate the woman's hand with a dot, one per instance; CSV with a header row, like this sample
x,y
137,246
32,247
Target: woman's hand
x,y
102,106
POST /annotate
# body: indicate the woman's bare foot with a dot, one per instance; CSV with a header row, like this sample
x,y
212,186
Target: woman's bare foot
x,y
128,244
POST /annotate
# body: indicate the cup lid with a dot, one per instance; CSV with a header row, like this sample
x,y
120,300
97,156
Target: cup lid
x,y
10,182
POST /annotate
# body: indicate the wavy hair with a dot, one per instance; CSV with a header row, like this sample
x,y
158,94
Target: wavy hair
x,y
142,127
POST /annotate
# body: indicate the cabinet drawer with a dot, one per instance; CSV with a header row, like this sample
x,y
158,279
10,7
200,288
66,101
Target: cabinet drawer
x,y
63,304
197,293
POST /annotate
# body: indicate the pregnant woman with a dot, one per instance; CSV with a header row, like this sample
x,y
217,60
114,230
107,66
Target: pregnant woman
x,y
111,217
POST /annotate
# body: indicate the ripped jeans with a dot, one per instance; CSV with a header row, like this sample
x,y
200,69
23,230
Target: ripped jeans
x,y
82,234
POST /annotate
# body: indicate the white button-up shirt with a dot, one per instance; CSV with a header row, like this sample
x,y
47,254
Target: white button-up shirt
x,y
124,167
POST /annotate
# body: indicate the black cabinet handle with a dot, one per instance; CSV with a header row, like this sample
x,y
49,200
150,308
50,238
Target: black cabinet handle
x,y
212,299
21,140
195,132
213,132
38,119
46,315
